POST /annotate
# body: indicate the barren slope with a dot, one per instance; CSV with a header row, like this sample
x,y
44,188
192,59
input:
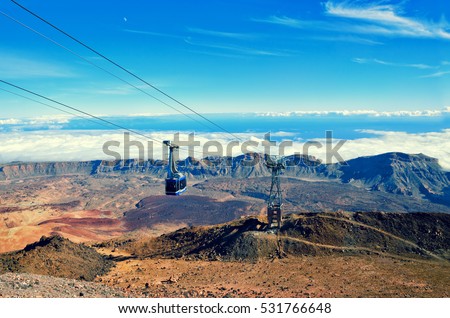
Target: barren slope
x,y
314,255
418,235
56,256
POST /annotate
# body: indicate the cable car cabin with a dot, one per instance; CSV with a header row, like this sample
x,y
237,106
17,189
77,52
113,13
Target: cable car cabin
x,y
175,180
175,186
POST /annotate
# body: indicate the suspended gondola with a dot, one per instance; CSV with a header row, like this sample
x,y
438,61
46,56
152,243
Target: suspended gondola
x,y
175,180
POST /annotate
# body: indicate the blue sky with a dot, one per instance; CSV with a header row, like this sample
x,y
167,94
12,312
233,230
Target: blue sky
x,y
231,56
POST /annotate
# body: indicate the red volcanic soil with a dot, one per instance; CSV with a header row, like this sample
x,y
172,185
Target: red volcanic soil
x,y
187,209
159,213
27,226
93,226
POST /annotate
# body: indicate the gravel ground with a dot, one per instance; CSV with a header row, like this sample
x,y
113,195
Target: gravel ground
x,y
13,285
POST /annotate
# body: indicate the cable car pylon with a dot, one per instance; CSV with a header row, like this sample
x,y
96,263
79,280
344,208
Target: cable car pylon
x,y
275,200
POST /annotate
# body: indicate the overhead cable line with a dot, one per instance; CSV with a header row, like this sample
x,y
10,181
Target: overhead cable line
x,y
82,112
99,67
79,110
124,69
57,108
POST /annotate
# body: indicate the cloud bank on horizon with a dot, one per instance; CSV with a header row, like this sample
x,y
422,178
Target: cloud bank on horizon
x,y
38,146
362,112
57,120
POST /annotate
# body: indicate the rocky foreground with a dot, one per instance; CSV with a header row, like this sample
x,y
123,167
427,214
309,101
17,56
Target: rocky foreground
x,y
339,254
14,285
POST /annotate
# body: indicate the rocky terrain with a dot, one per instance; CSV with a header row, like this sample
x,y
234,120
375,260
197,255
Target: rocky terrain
x,y
297,277
318,195
96,208
392,241
14,285
56,256
418,235
187,210
313,255
414,175
86,208
95,201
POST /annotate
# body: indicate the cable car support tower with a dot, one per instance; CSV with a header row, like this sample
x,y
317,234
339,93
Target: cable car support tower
x,y
275,201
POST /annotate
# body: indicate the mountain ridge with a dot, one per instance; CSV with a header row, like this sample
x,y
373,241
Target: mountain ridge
x,y
399,173
415,175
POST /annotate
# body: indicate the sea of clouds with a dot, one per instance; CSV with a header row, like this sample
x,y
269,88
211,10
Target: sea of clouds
x,y
61,145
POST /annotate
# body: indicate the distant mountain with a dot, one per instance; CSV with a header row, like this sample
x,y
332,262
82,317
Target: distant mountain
x,y
414,175
22,170
399,173
243,166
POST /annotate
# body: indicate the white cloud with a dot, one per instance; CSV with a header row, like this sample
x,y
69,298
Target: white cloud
x,y
283,20
147,114
433,144
436,74
381,62
282,134
237,49
346,38
386,19
363,112
10,121
124,90
41,120
87,145
231,35
165,35
382,13
55,145
374,18
59,119
297,23
21,67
